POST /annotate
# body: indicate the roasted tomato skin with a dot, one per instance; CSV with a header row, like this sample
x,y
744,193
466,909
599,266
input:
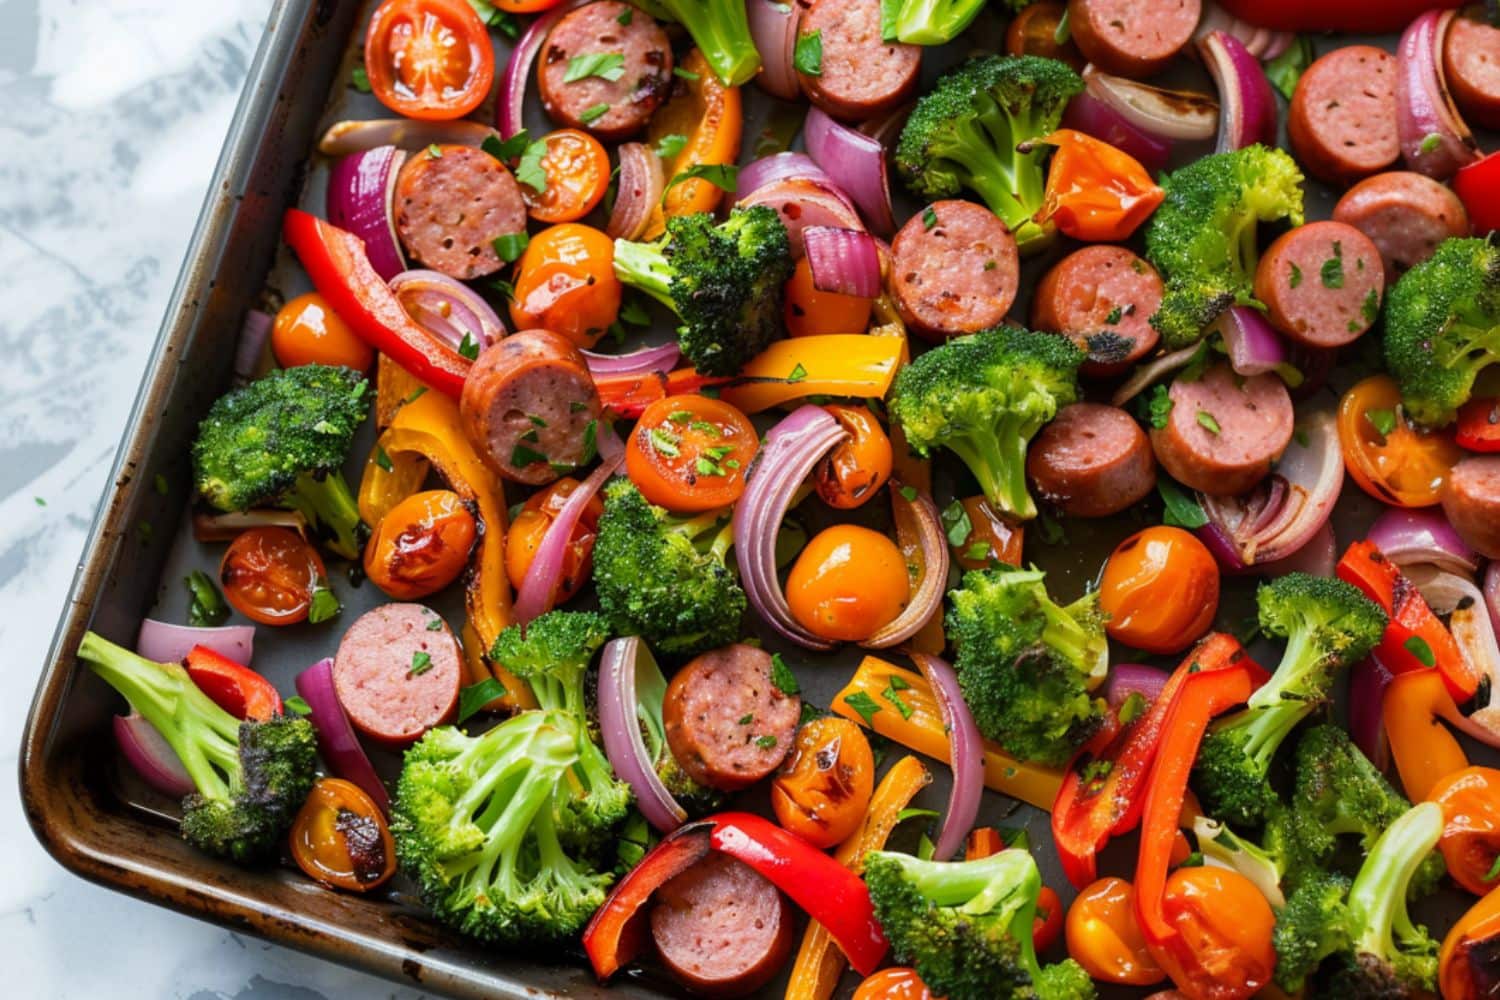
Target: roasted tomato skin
x,y
422,545
823,788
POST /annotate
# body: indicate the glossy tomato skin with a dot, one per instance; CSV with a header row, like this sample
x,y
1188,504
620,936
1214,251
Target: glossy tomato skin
x,y
1391,458
577,169
565,282
530,527
1160,589
269,575
811,313
307,331
1224,928
992,536
823,788
1034,32
689,453
857,467
896,983
1105,939
848,583
429,59
1476,184
421,546
1470,844
341,839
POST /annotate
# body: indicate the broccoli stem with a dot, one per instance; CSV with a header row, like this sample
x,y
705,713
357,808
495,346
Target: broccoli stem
x,y
644,266
721,30
1377,899
934,22
327,504
998,462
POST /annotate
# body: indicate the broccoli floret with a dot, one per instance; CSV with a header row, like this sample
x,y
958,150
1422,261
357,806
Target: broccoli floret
x,y
1442,327
1328,624
928,22
1203,236
250,777
552,655
720,29
1312,925
966,925
983,397
650,694
282,440
1270,864
726,282
978,129
663,577
474,821
1026,664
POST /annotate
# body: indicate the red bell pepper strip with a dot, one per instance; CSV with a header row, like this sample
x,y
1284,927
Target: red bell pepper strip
x,y
235,688
1333,15
1476,184
628,395
1415,639
1479,419
1102,794
342,274
830,893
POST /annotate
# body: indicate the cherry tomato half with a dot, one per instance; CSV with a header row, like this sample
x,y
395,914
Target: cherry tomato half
x,y
811,313
858,466
308,332
1160,589
848,583
690,453
1105,939
1390,458
823,788
429,59
992,536
1224,926
1034,32
270,574
421,546
565,282
1470,844
1479,425
577,175
340,838
530,527
896,983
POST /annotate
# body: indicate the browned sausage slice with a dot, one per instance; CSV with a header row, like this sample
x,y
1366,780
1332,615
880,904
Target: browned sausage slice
x,y
802,203
450,208
860,76
397,673
1471,65
628,69
1342,121
1093,460
954,269
527,405
1224,431
1471,499
1134,38
1102,297
727,722
1405,214
1321,283
721,928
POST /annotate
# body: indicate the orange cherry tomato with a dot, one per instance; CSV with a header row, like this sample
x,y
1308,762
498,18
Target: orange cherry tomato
x,y
530,526
565,282
992,537
1390,458
708,115
421,546
577,175
429,59
308,332
1160,589
1096,192
811,313
896,983
1105,939
1223,948
847,583
270,574
1033,32
340,838
823,788
857,467
1470,943
690,453
525,6
1470,845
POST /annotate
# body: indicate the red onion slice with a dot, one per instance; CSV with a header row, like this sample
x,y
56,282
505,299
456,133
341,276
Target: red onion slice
x,y
361,189
1158,112
1262,43
967,754
1317,558
918,516
150,756
165,642
1247,107
773,29
858,161
792,450
779,167
1368,680
1091,116
638,192
1412,537
251,346
843,261
1126,679
538,591
1434,138
1152,372
509,106
336,738
1492,593
629,679
646,359
447,308
1253,344
344,138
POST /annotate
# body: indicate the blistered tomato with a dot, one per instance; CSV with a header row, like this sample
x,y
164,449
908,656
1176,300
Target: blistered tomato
x,y
565,282
848,583
690,453
530,527
1160,589
1105,939
1223,946
421,546
858,466
896,983
341,839
824,786
307,331
270,575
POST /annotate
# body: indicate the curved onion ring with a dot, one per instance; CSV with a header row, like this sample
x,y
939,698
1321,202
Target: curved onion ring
x,y
538,589
1410,537
165,642
1424,108
1151,373
508,109
858,161
773,29
447,308
638,192
1160,113
919,529
1247,107
1262,43
967,754
336,738
638,362
843,261
624,681
1368,680
361,195
1469,621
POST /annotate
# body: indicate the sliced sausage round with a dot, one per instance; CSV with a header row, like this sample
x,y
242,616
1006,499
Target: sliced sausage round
x,y
1471,499
1405,214
397,673
1471,66
1133,38
802,203
527,405
954,269
1102,298
603,76
1321,283
727,722
1224,431
1342,121
452,202
721,928
1092,460
860,76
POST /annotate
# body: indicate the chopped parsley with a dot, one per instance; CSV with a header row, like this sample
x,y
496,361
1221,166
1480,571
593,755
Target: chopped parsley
x,y
1370,307
1417,647
382,459
297,705
434,151
634,313
766,742
798,374
206,607
1430,142
522,456
892,695
592,114
782,676
421,662
724,176
468,347
929,217
1159,407
507,149
1332,271
436,625
605,65
956,523
679,416
807,55
1296,276
530,170
325,605
669,146
664,442
746,719
472,699
1384,421
360,79
864,705
685,74
626,16
1115,315
1182,511
510,246
1207,422
909,494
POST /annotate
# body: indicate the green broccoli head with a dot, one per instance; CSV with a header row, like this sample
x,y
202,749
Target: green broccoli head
x,y
726,282
932,22
720,29
1275,864
250,777
978,129
966,925
663,577
1442,327
1027,664
1203,236
1313,925
984,397
282,440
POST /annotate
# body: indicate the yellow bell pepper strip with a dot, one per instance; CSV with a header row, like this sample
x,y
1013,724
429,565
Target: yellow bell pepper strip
x,y
920,727
708,115
819,963
1469,949
1095,192
394,385
518,697
835,364
1416,705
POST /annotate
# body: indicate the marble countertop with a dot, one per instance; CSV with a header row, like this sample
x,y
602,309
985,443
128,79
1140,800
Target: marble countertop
x,y
114,114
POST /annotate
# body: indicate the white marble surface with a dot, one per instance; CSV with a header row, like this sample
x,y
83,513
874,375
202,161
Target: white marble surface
x,y
112,118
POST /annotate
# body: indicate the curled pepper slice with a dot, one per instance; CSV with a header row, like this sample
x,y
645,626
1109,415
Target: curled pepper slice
x,y
1095,192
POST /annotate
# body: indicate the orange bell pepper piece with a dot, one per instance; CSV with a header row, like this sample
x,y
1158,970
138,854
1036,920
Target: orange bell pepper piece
x,y
1469,943
708,114
1096,192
